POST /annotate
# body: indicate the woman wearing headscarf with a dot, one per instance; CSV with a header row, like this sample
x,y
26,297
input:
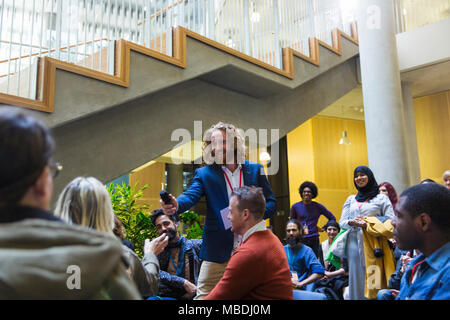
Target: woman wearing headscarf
x,y
366,203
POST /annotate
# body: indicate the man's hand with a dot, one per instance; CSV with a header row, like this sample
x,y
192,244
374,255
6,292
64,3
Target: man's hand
x,y
326,276
394,293
169,209
405,259
296,284
393,241
190,288
157,245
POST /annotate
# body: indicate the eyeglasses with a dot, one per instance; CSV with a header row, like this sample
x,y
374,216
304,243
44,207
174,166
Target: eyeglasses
x,y
55,169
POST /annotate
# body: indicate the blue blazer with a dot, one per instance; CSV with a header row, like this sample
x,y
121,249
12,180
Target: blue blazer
x,y
209,181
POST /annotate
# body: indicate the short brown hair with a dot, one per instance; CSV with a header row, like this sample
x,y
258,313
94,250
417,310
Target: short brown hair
x,y
26,147
251,198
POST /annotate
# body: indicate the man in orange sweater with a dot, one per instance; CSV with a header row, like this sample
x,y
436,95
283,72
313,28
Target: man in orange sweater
x,y
258,269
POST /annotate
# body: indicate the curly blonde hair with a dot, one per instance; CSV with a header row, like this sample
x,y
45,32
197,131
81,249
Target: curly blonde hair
x,y
240,150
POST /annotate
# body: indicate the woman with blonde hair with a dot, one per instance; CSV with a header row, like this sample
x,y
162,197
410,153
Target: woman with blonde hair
x,y
86,202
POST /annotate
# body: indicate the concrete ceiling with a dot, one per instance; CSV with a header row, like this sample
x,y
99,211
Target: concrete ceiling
x,y
429,80
425,81
350,106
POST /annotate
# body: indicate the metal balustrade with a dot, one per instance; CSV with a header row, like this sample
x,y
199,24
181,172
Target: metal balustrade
x,y
83,32
413,14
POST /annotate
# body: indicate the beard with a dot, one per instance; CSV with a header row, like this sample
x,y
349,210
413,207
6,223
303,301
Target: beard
x,y
292,242
171,234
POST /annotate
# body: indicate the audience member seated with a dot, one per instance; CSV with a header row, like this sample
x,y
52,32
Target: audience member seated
x,y
332,229
41,257
120,233
179,262
304,266
258,269
422,223
335,281
86,202
396,277
446,178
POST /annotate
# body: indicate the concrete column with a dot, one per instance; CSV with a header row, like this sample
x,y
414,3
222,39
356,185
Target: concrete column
x,y
410,133
174,179
382,94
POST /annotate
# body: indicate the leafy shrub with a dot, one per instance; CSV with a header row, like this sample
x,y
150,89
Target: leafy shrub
x,y
192,220
135,216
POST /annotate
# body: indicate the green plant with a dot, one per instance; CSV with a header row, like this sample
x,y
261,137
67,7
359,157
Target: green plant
x,y
135,216
192,220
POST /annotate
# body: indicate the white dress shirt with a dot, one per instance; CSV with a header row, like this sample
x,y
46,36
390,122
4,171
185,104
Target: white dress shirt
x,y
234,178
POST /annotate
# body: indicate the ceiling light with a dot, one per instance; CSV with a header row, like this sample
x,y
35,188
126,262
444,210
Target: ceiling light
x,y
344,140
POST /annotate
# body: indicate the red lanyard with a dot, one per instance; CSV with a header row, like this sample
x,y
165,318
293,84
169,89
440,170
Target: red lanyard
x,y
414,269
359,204
228,180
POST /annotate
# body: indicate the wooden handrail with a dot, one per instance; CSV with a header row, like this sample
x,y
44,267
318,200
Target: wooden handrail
x,y
122,63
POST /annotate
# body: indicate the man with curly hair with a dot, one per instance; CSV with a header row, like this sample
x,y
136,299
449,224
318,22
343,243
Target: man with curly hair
x,y
308,213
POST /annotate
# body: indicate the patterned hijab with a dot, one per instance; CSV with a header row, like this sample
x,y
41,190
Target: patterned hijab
x,y
370,190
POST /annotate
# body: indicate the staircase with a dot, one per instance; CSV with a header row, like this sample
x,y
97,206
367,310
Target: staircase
x,y
106,125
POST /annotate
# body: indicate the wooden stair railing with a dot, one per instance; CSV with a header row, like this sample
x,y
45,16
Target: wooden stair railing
x,y
121,76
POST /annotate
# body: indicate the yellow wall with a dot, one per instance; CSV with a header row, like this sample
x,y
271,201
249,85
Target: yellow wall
x,y
432,115
314,154
152,174
300,158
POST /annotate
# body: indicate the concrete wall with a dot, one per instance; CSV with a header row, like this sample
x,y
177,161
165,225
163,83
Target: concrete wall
x,y
113,142
104,130
424,46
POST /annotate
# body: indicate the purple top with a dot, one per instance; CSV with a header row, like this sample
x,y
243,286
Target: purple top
x,y
309,214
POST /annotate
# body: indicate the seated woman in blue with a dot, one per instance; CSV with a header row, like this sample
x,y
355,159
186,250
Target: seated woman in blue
x,y
303,263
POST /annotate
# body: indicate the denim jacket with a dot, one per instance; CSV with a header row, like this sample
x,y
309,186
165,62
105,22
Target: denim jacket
x,y
433,277
172,285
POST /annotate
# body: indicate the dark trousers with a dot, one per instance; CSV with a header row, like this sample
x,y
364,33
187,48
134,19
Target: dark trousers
x,y
313,243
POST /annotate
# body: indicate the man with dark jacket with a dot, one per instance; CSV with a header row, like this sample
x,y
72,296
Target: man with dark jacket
x,y
179,262
40,256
